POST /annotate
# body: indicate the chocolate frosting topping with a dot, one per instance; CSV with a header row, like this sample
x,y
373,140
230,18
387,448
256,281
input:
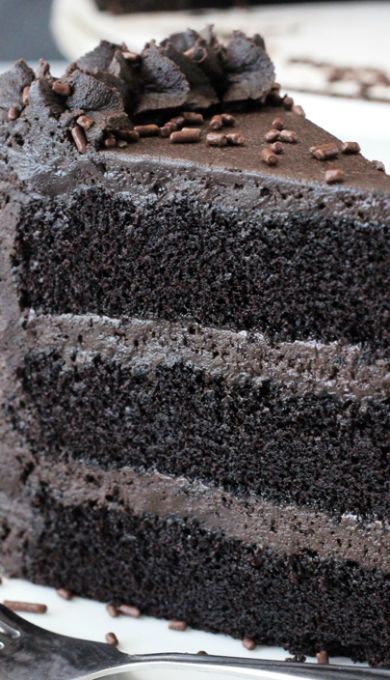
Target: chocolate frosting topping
x,y
117,89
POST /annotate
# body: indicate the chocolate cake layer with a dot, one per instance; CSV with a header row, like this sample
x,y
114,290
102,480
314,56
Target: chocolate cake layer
x,y
174,567
179,239
295,423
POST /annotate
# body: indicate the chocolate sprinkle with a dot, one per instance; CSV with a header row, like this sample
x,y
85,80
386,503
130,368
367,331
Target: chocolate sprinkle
x,y
268,157
79,138
63,89
147,130
112,639
325,151
335,176
235,139
180,626
272,135
350,148
13,113
112,610
277,147
129,610
278,123
249,644
186,136
289,136
216,139
26,607
64,593
322,658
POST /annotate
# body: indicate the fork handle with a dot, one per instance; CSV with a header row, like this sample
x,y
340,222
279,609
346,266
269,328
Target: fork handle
x,y
261,669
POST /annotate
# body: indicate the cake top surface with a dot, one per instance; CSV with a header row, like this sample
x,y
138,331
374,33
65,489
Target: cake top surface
x,y
190,99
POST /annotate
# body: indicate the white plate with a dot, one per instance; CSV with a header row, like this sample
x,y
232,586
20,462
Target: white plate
x,y
89,620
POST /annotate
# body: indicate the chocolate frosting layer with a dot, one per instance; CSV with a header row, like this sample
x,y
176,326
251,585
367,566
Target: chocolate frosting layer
x,y
116,88
286,530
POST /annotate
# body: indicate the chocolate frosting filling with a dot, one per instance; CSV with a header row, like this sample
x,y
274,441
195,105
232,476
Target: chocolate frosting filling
x,y
285,530
116,88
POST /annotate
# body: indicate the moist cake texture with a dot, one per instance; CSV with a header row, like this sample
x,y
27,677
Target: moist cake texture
x,y
194,348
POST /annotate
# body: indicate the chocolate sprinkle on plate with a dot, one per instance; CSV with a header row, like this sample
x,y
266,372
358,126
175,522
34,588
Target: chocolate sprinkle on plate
x,y
112,610
112,639
26,607
129,610
179,626
249,644
322,658
64,593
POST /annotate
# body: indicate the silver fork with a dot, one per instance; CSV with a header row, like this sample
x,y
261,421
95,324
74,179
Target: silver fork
x,y
31,653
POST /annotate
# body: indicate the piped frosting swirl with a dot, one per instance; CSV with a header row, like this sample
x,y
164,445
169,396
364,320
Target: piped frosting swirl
x,y
116,88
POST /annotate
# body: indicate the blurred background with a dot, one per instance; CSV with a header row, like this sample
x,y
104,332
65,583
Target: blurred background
x,y
333,57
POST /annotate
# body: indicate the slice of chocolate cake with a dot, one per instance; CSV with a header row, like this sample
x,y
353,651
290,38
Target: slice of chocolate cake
x,y
194,348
